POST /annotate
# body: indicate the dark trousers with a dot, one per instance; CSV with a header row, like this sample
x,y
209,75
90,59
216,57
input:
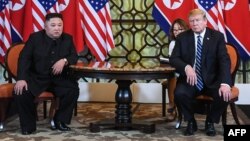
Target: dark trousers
x,y
185,97
27,107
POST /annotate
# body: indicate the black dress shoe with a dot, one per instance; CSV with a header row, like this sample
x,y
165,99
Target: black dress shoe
x,y
209,128
191,128
61,126
26,132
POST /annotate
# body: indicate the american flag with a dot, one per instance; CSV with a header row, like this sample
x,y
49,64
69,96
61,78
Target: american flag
x,y
5,30
227,16
39,9
214,14
96,25
28,17
86,20
166,11
100,65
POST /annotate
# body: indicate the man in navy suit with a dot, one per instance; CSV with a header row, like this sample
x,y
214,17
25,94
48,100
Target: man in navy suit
x,y
215,71
43,66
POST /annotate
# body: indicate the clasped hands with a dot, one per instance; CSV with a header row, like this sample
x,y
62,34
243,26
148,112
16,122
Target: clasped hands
x,y
224,90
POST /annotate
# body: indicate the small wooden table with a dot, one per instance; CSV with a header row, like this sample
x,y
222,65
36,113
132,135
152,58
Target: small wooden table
x,y
124,73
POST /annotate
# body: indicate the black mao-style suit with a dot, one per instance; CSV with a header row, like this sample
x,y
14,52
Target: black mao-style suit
x,y
215,71
34,66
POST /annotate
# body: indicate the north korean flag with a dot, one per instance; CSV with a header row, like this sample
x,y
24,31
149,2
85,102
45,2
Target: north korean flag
x,y
72,21
166,11
236,15
21,20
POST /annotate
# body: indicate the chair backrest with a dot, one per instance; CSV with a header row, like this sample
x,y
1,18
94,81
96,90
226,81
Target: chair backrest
x,y
234,58
11,59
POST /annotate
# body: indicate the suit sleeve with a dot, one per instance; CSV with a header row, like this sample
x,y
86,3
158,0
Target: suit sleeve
x,y
176,58
73,56
25,60
224,62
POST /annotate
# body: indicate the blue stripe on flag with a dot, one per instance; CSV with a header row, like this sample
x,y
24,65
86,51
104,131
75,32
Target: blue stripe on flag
x,y
160,19
243,54
15,37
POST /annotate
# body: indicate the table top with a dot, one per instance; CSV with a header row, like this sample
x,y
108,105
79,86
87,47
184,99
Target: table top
x,y
121,69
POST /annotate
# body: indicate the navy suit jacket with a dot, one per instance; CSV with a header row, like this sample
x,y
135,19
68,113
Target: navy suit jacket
x,y
215,60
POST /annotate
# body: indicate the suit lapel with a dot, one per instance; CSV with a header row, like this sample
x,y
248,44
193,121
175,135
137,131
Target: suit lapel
x,y
206,42
192,46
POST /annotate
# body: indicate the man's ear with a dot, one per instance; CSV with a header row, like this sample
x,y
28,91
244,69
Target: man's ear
x,y
45,24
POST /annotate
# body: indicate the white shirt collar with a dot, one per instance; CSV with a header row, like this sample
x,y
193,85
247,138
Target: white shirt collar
x,y
202,34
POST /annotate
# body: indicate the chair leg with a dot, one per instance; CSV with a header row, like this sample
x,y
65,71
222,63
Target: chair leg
x,y
224,117
234,113
45,109
163,99
53,107
75,112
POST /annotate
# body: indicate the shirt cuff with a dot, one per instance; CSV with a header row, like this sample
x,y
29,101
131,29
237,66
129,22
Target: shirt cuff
x,y
186,67
224,84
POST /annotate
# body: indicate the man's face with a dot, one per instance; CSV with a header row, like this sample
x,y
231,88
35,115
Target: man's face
x,y
54,27
197,23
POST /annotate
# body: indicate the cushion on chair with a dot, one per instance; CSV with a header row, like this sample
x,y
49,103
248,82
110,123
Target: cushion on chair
x,y
204,97
6,90
234,90
46,94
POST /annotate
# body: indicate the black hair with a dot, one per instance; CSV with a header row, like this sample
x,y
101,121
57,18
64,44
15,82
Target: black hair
x,y
53,15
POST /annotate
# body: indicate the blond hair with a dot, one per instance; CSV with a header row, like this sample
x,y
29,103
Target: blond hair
x,y
197,12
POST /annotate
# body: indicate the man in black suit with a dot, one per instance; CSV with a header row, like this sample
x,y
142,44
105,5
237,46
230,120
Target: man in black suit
x,y
214,77
43,66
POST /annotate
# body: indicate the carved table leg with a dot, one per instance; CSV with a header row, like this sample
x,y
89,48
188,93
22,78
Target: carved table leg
x,y
123,119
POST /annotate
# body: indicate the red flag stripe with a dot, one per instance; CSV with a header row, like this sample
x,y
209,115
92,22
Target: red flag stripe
x,y
93,37
95,24
91,47
236,17
92,32
97,32
72,24
38,13
110,38
5,31
7,28
97,29
215,17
